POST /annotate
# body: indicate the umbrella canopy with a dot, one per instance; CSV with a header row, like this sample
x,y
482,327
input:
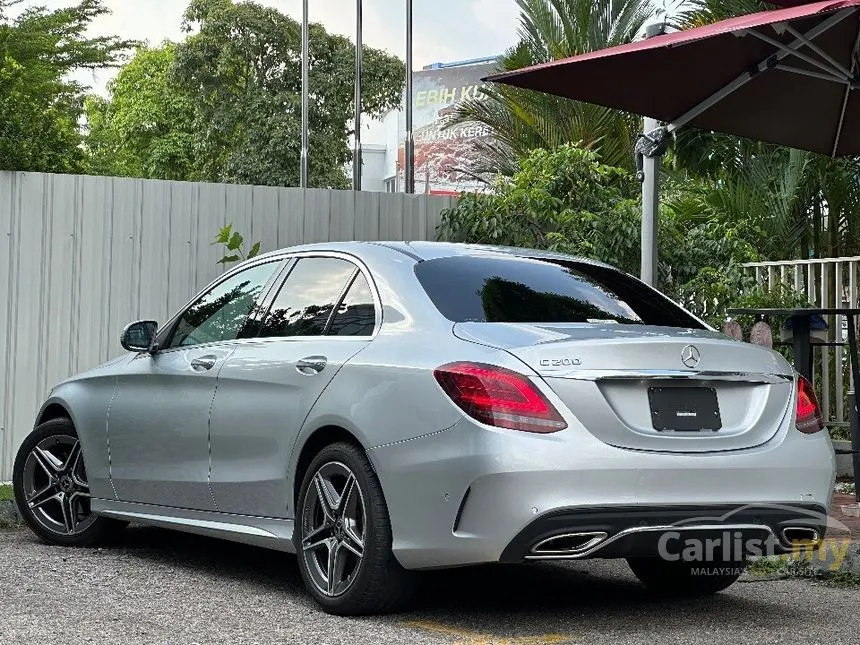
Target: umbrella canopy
x,y
786,76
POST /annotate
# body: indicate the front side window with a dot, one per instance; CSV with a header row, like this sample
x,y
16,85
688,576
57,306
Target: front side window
x,y
308,297
517,289
221,313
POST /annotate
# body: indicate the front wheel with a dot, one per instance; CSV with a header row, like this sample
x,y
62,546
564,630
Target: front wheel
x,y
51,488
679,578
344,537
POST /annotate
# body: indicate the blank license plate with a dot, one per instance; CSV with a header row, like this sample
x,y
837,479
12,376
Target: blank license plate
x,y
684,409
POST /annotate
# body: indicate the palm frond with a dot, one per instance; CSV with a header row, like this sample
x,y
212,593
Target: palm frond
x,y
523,120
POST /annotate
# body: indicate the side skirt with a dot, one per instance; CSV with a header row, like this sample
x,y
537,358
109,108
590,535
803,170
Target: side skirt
x,y
267,532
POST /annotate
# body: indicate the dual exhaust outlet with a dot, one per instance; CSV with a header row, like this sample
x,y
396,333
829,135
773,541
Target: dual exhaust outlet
x,y
800,535
572,545
567,544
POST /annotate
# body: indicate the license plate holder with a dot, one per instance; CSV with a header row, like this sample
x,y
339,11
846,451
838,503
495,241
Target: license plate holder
x,y
684,409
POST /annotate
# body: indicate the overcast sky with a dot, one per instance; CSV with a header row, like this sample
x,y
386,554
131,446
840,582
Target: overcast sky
x,y
444,30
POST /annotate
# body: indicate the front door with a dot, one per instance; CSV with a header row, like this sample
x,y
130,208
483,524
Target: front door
x,y
158,422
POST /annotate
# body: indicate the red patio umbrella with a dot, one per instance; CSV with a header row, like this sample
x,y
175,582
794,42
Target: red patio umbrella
x,y
787,76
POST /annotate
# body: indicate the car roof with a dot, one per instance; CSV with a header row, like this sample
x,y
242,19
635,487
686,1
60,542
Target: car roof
x,y
434,250
422,250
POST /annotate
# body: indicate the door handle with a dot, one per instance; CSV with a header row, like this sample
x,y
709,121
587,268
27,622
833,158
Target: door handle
x,y
204,363
311,365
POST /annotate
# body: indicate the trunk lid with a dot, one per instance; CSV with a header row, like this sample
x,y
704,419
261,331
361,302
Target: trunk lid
x,y
618,380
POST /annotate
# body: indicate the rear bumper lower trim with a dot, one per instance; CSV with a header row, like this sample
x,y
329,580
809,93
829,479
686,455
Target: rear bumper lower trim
x,y
638,531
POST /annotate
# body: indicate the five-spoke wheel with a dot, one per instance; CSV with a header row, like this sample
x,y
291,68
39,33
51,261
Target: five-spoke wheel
x,y
51,487
55,485
343,536
333,522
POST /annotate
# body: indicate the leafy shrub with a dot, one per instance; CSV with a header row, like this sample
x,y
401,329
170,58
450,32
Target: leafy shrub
x,y
563,200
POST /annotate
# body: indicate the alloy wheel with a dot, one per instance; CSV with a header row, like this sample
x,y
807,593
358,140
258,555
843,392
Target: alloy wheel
x,y
333,528
55,485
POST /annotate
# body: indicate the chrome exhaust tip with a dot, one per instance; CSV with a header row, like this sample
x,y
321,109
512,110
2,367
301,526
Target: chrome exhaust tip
x,y
567,544
800,535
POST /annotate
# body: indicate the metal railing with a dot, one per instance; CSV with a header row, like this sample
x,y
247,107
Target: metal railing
x,y
829,282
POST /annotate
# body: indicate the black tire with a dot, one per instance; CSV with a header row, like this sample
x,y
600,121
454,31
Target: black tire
x,y
378,584
92,529
679,578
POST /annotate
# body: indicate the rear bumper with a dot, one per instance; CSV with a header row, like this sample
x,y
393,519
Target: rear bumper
x,y
470,494
730,532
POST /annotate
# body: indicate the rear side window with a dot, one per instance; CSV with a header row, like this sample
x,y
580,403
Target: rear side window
x,y
516,289
309,296
356,315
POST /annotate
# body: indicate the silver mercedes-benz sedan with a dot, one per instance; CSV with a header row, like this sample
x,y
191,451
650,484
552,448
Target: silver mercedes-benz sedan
x,y
382,408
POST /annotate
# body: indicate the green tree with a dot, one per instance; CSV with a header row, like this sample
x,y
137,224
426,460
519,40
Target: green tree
x,y
564,200
241,69
40,107
523,120
146,128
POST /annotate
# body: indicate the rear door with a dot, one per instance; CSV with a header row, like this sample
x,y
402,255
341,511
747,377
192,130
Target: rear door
x,y
324,314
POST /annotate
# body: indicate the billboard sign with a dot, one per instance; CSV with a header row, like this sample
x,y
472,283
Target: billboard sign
x,y
440,152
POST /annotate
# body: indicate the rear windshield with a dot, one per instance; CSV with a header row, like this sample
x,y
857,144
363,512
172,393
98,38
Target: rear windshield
x,y
515,289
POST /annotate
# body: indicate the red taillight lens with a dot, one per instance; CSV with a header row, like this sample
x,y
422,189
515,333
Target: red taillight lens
x,y
809,419
498,397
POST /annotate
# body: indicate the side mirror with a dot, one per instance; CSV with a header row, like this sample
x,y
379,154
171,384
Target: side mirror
x,y
138,336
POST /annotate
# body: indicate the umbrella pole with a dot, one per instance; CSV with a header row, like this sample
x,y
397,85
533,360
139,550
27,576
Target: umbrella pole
x,y
649,152
650,208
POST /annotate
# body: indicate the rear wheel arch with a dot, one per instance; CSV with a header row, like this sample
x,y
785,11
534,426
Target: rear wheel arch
x,y
319,439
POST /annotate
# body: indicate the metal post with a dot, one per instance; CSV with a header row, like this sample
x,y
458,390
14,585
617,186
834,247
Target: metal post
x,y
303,171
650,176
650,211
356,155
410,142
855,443
852,403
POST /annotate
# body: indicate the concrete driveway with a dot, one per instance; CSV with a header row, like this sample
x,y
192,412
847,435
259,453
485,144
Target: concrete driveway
x,y
160,587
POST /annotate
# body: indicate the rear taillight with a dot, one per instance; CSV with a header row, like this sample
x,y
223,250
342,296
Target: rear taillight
x,y
499,397
809,419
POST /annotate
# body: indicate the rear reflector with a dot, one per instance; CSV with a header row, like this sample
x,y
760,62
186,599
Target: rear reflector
x,y
809,419
499,397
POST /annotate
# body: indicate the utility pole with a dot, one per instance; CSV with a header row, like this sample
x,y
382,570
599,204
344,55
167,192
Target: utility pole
x,y
303,171
356,154
410,142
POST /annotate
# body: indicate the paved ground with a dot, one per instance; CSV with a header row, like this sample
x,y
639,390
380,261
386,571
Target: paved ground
x,y
165,588
848,524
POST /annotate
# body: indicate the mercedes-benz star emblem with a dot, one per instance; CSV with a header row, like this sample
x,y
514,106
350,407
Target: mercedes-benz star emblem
x,y
690,356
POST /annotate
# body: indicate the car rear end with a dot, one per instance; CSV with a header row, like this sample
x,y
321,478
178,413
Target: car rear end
x,y
600,420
